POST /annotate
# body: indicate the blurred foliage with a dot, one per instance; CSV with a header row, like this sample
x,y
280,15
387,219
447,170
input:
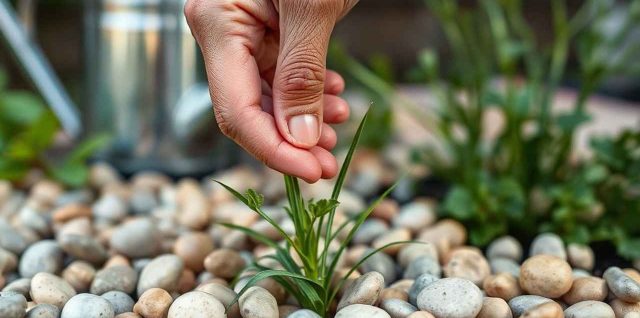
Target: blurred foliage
x,y
27,133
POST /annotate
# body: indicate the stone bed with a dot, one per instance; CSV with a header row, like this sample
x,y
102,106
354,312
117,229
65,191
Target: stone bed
x,y
149,247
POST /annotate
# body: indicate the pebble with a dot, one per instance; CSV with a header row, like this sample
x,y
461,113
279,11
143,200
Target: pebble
x,y
397,308
110,207
44,256
505,247
193,248
589,309
274,288
77,226
390,237
415,216
286,310
421,314
154,302
194,206
546,275
257,302
364,290
84,248
8,261
119,278
392,293
422,265
50,289
163,272
142,201
79,275
361,311
20,286
10,239
502,285
70,211
87,306
302,313
369,231
196,304
419,284
450,231
381,263
586,288
224,294
136,239
469,264
622,308
548,244
581,256
120,301
43,311
621,285
224,263
451,298
546,310
494,308
408,253
520,304
12,305
504,265
386,210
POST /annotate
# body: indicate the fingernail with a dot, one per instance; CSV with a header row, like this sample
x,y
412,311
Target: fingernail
x,y
304,129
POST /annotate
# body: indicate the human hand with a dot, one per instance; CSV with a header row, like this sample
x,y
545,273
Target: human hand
x,y
266,66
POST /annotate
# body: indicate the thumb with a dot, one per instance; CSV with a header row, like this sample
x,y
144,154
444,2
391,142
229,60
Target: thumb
x,y
298,84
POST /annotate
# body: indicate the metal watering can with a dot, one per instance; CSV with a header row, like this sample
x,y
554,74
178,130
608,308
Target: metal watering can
x,y
145,87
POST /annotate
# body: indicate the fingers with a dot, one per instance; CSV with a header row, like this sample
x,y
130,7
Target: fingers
x,y
328,138
327,162
334,83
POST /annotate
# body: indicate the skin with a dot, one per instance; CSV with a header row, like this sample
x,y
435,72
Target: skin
x,y
266,66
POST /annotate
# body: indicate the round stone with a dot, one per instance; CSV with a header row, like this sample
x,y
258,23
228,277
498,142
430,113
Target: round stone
x,y
364,290
154,302
523,303
589,309
302,313
621,285
581,256
10,239
422,265
548,244
84,248
119,278
163,272
546,275
419,284
369,231
505,247
44,256
381,263
79,275
8,261
494,308
451,298
408,253
50,289
87,306
43,311
469,264
70,211
110,207
397,308
586,288
12,305
224,263
393,293
193,248
137,238
256,302
390,237
224,294
502,285
120,301
196,304
546,310
20,286
421,314
415,216
504,265
361,311
450,231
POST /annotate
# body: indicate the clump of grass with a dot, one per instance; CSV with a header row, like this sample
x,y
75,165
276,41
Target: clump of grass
x,y
310,282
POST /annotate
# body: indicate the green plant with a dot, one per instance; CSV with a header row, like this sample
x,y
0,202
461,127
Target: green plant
x,y
309,281
27,133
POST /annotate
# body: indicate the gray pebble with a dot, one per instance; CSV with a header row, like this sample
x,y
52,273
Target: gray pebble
x,y
163,272
520,304
381,263
589,309
621,285
83,196
10,239
419,284
84,248
43,311
87,306
505,247
194,304
369,231
410,252
143,201
12,305
120,301
20,286
451,298
304,313
136,239
364,290
109,207
361,311
44,256
119,278
397,308
423,265
32,219
415,216
504,265
578,273
548,244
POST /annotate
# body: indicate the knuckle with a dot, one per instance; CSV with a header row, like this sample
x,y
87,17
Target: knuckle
x,y
225,123
302,78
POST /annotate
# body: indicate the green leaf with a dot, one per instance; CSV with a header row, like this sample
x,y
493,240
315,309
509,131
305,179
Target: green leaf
x,y
88,147
629,248
12,170
323,207
460,204
20,107
73,174
569,122
254,199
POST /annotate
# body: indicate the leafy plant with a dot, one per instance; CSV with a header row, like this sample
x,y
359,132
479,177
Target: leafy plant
x,y
310,279
27,133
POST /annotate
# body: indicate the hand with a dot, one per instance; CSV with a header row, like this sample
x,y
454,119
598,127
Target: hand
x,y
266,66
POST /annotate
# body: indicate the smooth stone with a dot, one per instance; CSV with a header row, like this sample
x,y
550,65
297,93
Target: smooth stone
x,y
120,301
505,247
8,261
546,275
12,305
87,306
622,308
224,263
578,273
546,310
43,311
369,231
586,288
621,285
303,313
581,256
494,308
451,298
418,285
548,244
381,263
415,216
142,201
154,302
275,289
69,212
589,309
44,256
520,304
50,289
163,272
34,220
633,315
397,308
364,290
20,286
196,304
410,252
257,302
393,293
285,310
361,311
193,248
224,294
502,285
469,264
84,248
110,207
422,265
447,230
79,275
421,314
391,237
136,239
120,278
504,265
10,239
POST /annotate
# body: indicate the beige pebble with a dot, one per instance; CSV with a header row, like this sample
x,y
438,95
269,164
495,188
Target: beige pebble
x,y
409,252
502,285
224,263
193,248
403,284
117,260
79,275
8,261
275,289
193,205
586,288
153,303
421,314
450,231
50,289
224,294
469,264
393,236
128,315
187,281
634,274
580,256
256,302
392,293
546,275
387,209
494,308
71,211
621,308
546,310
